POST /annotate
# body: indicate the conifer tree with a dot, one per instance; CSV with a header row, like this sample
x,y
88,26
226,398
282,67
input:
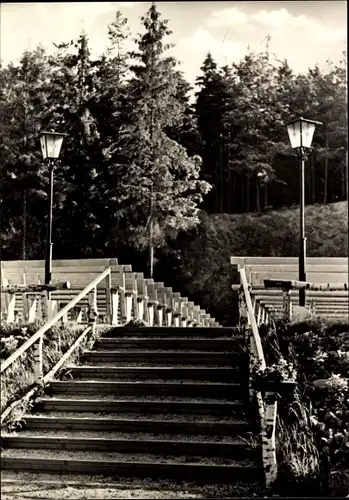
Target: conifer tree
x,y
159,190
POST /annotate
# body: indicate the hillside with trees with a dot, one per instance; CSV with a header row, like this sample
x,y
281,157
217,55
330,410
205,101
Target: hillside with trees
x,y
144,171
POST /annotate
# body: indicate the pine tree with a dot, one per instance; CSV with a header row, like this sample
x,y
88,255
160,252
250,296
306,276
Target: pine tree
x,y
72,104
22,107
160,187
255,118
210,106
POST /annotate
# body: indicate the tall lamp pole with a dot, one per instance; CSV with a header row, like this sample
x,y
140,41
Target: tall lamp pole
x,y
301,132
51,143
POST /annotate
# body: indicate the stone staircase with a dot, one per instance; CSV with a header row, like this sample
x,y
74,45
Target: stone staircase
x,y
146,402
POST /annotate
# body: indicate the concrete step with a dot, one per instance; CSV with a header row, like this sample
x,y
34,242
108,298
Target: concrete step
x,y
181,389
209,374
170,357
236,449
204,470
134,425
197,344
192,407
170,331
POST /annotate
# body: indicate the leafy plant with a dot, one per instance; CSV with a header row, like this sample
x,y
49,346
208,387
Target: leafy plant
x,y
280,371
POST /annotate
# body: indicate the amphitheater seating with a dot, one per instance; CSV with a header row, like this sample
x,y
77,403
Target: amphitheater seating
x,y
132,288
319,270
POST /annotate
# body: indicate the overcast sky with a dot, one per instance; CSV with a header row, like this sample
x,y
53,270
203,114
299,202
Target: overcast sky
x,y
304,32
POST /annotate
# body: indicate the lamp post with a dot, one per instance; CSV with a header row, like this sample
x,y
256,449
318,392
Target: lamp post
x,y
51,143
301,132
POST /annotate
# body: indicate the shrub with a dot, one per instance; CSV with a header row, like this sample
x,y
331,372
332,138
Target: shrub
x,y
19,376
313,428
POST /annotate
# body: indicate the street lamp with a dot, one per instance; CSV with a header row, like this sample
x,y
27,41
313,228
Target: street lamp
x,y
301,132
51,143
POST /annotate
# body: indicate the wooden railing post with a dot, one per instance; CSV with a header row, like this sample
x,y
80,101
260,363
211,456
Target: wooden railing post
x,y
114,296
128,303
184,311
38,365
152,301
108,299
176,309
52,308
196,315
201,316
92,309
268,438
168,295
130,295
44,306
119,277
207,320
286,304
190,309
161,303
10,304
142,297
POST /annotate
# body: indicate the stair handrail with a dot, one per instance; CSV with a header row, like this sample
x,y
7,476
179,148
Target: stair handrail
x,y
267,403
39,334
252,319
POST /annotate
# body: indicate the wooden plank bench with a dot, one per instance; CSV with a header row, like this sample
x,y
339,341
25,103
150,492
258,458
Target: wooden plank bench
x,y
333,270
122,295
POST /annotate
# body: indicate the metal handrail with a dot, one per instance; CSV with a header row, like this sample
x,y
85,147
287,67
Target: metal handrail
x,y
54,320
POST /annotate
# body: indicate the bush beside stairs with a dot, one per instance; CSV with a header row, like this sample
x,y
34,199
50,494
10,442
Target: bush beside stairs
x,y
169,403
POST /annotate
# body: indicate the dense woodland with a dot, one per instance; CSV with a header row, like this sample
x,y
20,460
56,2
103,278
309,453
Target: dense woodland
x,y
141,158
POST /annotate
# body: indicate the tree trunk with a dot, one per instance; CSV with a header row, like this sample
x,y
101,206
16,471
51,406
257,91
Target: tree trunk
x,y
347,173
258,201
326,168
151,242
242,191
228,192
217,188
233,190
221,175
24,235
343,184
265,195
312,170
248,194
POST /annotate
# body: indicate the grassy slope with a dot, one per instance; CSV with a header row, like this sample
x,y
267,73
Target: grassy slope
x,y
206,258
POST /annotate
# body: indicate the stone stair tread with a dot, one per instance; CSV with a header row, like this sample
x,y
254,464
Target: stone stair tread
x,y
150,367
98,435
136,398
136,417
104,456
146,364
100,352
130,486
166,338
116,383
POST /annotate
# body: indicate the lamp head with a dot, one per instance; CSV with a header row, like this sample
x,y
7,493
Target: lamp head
x,y
51,143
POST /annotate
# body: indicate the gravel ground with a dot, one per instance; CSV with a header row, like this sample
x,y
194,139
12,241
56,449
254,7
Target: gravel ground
x,y
104,456
139,416
130,436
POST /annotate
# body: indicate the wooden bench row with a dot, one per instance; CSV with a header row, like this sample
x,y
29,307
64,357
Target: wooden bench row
x,y
122,296
271,302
